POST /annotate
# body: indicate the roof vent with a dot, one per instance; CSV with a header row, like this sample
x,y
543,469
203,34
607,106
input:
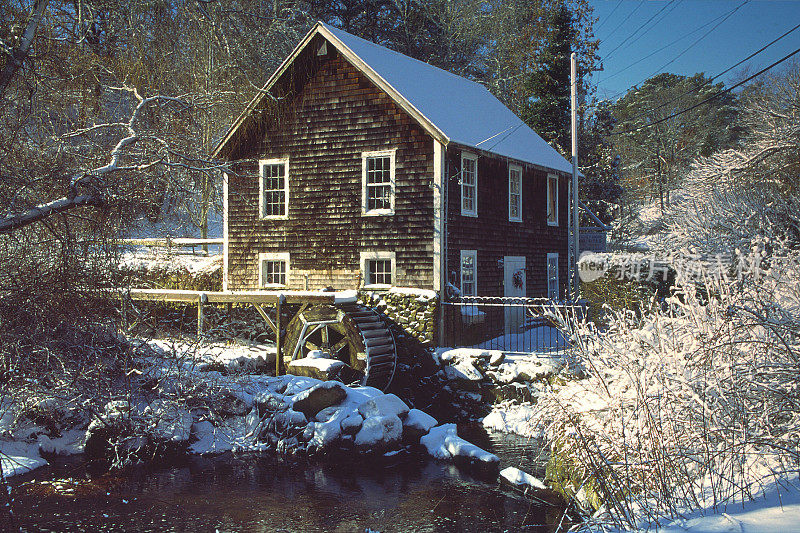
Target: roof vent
x,y
323,49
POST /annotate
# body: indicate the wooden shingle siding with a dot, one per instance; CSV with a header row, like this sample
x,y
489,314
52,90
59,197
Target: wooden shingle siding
x,y
493,236
323,129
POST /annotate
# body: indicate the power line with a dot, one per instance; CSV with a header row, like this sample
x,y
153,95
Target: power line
x,y
711,80
724,17
608,17
706,34
625,19
641,27
712,97
654,24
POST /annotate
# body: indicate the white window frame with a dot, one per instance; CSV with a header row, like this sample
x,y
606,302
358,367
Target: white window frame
x,y
511,169
392,157
474,255
378,256
261,164
552,292
466,212
272,256
550,179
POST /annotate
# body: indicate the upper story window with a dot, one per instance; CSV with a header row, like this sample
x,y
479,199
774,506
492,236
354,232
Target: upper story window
x,y
469,184
515,193
274,188
552,200
273,269
377,176
377,269
469,260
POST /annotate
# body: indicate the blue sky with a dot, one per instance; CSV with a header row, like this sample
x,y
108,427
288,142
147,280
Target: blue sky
x,y
747,29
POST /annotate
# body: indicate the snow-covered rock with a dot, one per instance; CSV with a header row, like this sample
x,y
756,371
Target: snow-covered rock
x,y
379,432
443,442
523,480
419,422
318,397
385,405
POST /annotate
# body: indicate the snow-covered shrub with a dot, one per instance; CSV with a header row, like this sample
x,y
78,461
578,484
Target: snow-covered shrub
x,y
691,405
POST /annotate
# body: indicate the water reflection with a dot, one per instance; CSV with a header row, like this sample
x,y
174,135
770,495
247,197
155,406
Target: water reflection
x,y
259,494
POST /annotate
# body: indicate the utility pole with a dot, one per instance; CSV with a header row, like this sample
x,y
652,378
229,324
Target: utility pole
x,y
575,281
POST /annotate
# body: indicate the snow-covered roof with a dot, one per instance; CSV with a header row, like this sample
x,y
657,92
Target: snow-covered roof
x,y
451,108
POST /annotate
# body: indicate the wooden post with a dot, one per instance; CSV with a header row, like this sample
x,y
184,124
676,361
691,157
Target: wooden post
x,y
202,299
278,321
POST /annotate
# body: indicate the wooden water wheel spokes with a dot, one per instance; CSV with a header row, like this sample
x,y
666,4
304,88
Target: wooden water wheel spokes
x,y
351,333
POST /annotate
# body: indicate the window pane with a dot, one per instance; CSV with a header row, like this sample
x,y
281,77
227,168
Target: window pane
x,y
515,194
469,174
468,274
379,272
274,186
552,199
379,183
274,272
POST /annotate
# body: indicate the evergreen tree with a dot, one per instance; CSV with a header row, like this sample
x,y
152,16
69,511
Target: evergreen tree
x,y
547,108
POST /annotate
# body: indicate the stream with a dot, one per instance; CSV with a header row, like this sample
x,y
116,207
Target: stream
x,y
249,493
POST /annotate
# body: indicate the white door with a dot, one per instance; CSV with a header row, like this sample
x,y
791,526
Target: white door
x,y
514,285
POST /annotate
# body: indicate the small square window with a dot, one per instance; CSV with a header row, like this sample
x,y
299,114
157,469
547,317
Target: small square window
x,y
273,269
552,200
377,268
469,184
274,188
379,272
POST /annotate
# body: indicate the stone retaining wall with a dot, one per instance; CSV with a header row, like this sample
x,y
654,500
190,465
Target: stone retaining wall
x,y
414,311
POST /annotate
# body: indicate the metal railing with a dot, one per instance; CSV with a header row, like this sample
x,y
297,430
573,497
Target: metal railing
x,y
509,324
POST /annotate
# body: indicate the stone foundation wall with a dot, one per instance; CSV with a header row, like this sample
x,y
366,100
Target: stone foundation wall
x,y
414,311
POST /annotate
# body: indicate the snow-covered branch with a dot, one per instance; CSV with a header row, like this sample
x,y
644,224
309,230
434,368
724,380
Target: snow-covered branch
x,y
88,188
18,55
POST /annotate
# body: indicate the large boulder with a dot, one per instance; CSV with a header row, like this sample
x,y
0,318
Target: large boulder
x,y
313,400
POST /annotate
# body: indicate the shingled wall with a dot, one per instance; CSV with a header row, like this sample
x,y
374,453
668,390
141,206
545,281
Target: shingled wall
x,y
323,130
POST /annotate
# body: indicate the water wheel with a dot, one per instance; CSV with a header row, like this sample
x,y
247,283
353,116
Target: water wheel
x,y
351,333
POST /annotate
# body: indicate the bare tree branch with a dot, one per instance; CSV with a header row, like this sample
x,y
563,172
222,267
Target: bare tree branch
x,y
19,54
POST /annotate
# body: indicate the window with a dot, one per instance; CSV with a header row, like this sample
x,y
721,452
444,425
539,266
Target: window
x,y
469,261
552,276
469,184
377,268
273,269
552,200
377,176
515,193
274,188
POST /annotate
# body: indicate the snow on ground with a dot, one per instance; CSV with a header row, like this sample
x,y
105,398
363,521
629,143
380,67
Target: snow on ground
x,y
513,417
169,261
532,337
239,357
212,412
